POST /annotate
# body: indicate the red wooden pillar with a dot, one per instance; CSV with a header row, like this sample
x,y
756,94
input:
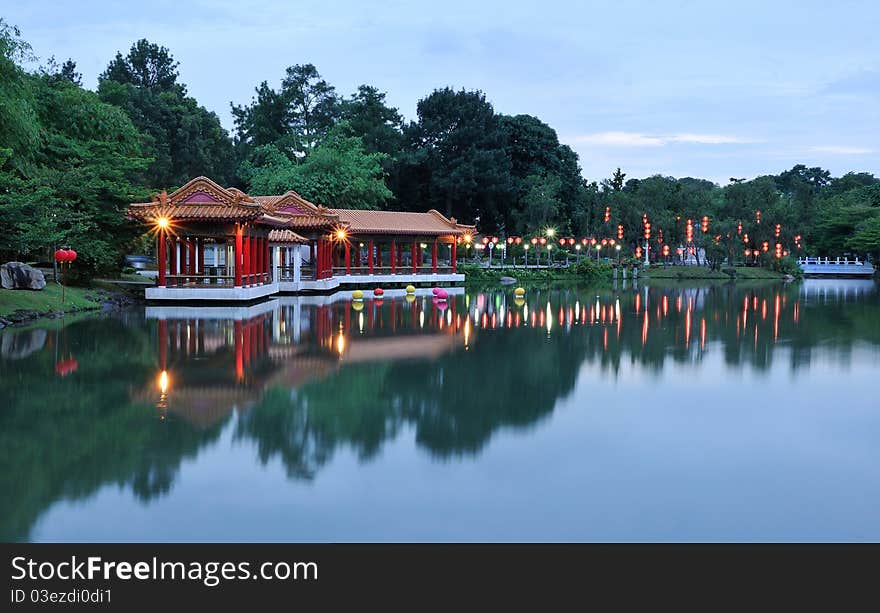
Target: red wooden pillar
x,y
347,260
191,256
261,259
453,254
161,258
246,261
237,258
393,257
415,264
252,268
434,257
370,256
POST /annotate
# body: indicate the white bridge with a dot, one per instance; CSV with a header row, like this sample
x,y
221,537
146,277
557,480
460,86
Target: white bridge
x,y
835,267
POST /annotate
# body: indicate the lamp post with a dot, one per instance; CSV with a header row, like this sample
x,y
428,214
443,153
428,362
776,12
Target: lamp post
x,y
578,249
617,249
526,249
598,249
549,248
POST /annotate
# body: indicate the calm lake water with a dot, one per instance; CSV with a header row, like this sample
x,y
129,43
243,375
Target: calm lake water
x,y
722,412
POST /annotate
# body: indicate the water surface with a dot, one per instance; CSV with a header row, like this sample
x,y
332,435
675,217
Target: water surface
x,y
714,412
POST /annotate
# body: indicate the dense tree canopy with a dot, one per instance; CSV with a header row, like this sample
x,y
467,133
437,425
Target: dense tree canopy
x,y
70,159
183,138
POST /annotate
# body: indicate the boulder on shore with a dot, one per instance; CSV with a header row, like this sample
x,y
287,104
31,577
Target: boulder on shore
x,y
18,275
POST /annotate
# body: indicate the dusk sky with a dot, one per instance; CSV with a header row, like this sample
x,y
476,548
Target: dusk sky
x,y
705,89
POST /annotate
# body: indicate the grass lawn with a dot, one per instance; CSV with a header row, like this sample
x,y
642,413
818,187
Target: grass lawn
x,y
46,300
701,272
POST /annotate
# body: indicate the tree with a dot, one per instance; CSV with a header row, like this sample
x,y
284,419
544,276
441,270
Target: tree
x,y
183,138
147,66
293,119
377,124
19,129
338,173
455,159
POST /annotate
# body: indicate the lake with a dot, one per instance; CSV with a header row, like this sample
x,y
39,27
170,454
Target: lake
x,y
728,412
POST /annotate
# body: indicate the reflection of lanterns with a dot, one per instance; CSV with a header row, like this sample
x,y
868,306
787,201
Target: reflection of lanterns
x,y
163,382
66,367
358,305
409,298
519,301
340,343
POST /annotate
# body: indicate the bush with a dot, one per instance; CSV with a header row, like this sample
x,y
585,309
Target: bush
x,y
787,266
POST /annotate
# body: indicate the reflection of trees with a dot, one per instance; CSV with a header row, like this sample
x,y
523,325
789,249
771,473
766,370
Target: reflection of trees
x,y
514,377
65,438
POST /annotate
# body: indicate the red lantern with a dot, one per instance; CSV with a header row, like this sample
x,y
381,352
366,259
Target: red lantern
x,y
534,241
584,241
71,255
562,242
620,231
61,255
778,230
509,240
517,240
638,252
485,240
607,214
571,241
542,240
665,250
494,240
704,225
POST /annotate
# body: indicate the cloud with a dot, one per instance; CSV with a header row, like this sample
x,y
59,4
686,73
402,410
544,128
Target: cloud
x,y
841,150
638,139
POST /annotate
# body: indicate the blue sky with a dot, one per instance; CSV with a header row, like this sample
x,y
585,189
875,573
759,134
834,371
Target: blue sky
x,y
686,88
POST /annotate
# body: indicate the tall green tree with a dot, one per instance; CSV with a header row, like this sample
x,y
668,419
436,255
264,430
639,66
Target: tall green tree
x,y
183,138
339,173
455,159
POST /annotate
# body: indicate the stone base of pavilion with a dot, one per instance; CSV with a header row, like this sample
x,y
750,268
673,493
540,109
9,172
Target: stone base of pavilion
x,y
212,294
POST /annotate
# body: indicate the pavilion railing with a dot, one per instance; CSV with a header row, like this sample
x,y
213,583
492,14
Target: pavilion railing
x,y
213,277
386,270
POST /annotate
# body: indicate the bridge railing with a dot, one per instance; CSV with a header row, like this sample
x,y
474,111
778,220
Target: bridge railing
x,y
830,261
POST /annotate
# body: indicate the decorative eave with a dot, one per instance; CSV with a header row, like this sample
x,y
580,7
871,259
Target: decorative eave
x,y
285,235
199,199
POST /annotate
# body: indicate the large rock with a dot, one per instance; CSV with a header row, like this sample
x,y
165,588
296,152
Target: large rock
x,y
18,275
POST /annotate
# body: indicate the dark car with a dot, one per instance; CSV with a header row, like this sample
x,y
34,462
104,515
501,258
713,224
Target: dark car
x,y
140,262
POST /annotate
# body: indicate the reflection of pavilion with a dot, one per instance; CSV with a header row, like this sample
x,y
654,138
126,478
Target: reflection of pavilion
x,y
210,365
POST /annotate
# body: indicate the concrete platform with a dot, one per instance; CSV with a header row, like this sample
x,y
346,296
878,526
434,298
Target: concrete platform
x,y
215,294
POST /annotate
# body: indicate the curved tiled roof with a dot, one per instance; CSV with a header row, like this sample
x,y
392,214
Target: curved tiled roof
x,y
286,236
431,223
203,199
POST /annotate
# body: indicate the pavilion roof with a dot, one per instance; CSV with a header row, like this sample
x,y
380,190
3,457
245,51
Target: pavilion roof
x,y
203,199
200,199
432,223
286,236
